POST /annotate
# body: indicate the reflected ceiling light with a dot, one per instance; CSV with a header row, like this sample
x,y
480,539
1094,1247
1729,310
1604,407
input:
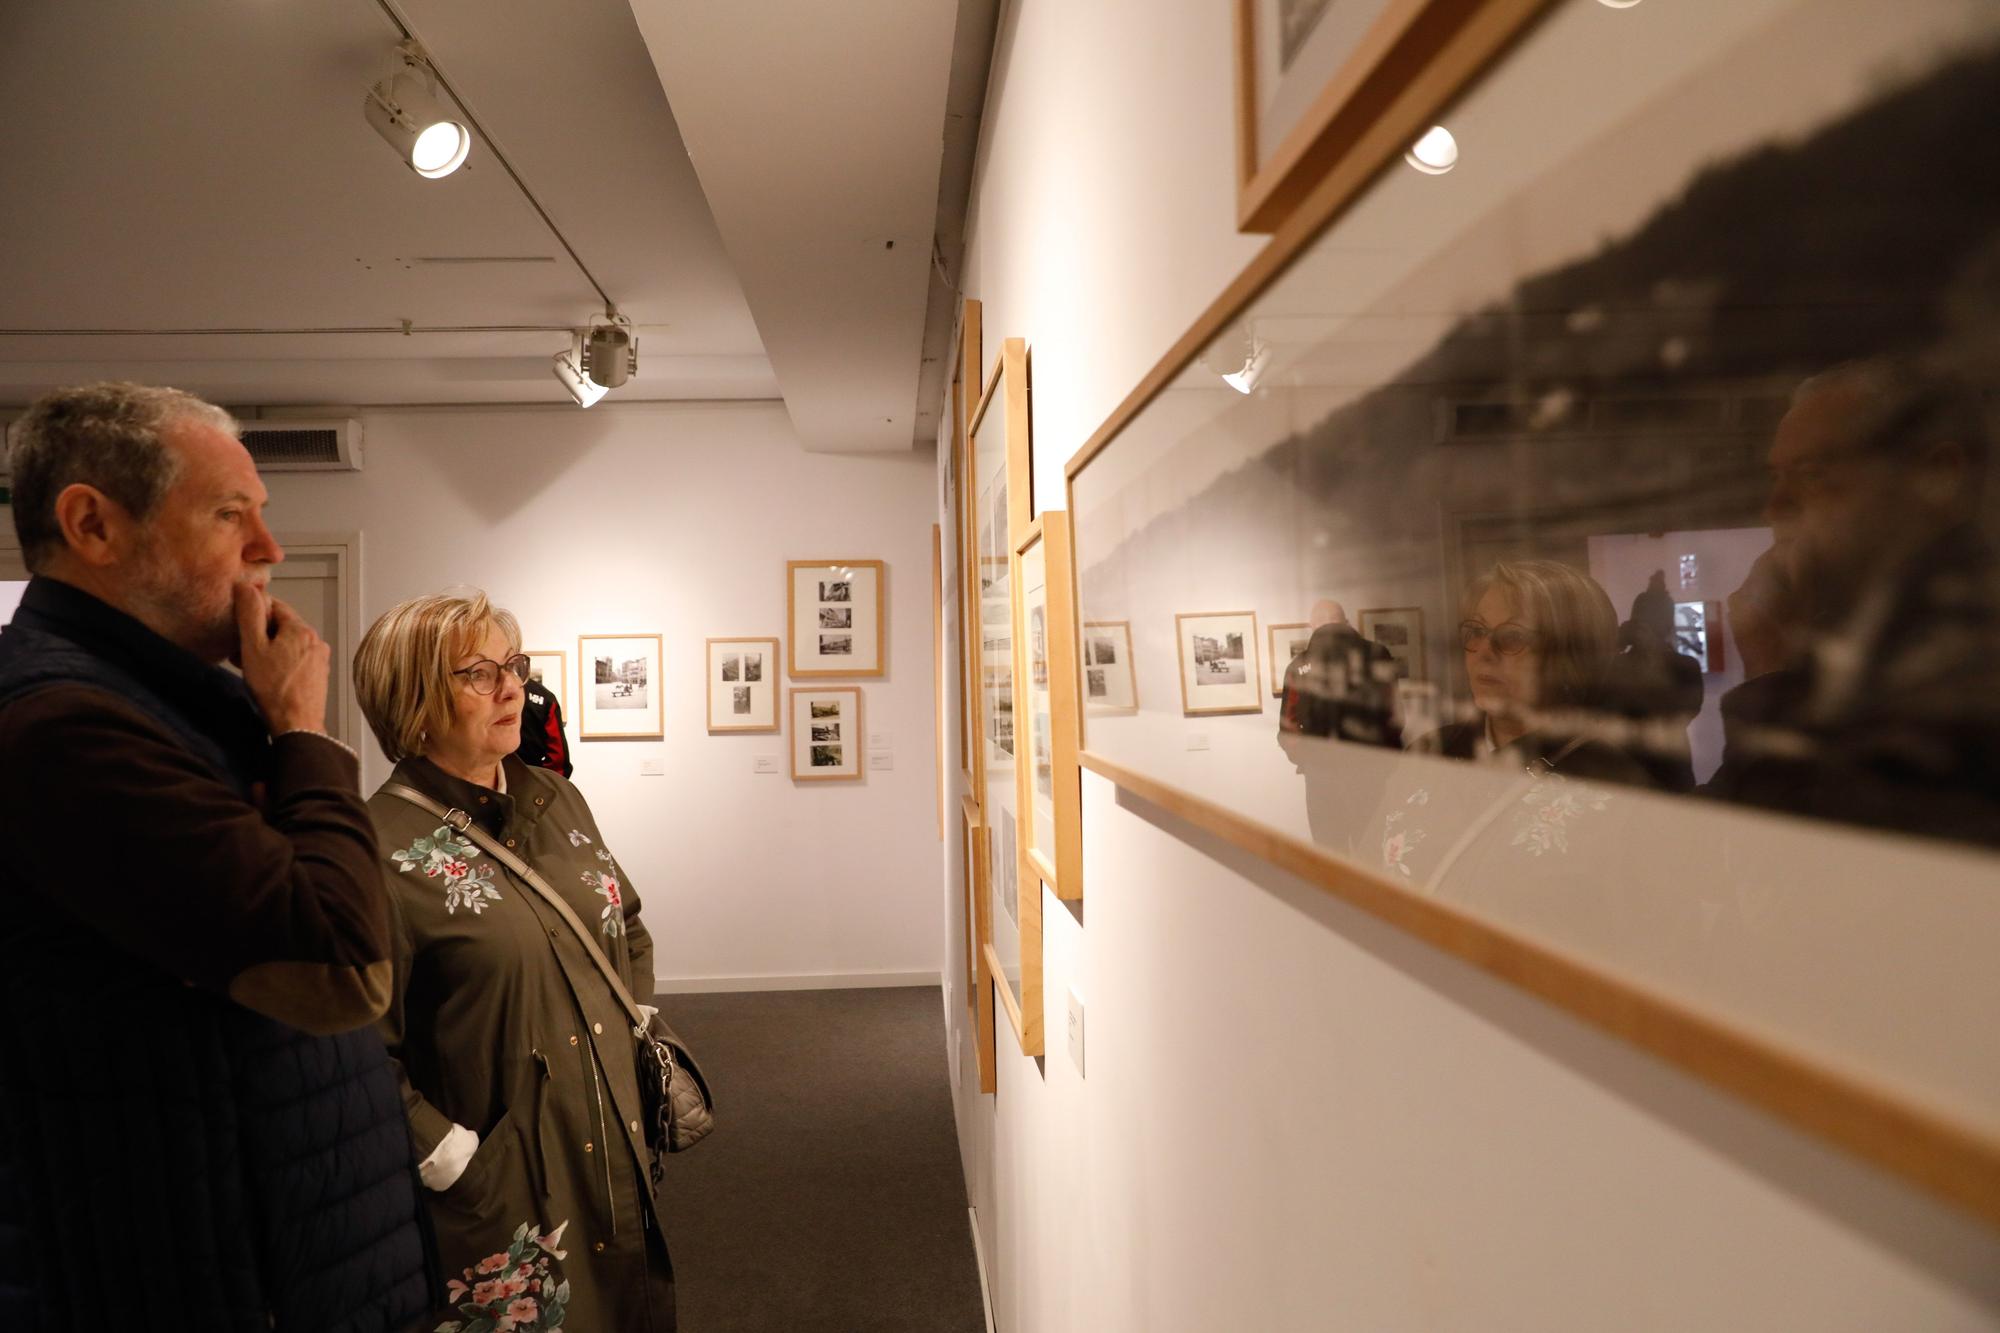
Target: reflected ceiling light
x,y
1435,153
405,111
1254,366
598,359
1618,4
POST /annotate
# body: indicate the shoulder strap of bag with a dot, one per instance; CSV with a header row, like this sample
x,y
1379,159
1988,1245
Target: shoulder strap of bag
x,y
462,822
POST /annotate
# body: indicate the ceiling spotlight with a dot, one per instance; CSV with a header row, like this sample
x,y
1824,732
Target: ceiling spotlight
x,y
1435,153
404,110
610,352
569,369
1244,380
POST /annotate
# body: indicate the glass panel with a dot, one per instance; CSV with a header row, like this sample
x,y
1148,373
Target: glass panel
x,y
1633,479
1040,817
996,670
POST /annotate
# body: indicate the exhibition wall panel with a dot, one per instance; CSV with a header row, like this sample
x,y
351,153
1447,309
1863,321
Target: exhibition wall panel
x,y
678,520
1410,1143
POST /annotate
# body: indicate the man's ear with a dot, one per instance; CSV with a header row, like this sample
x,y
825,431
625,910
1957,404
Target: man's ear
x,y
95,528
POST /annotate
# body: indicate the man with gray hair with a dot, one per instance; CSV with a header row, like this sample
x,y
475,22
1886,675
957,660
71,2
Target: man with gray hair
x,y
199,1129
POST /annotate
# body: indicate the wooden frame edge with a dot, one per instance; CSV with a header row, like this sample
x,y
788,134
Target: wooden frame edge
x,y
1925,1145
708,690
659,657
881,667
1180,653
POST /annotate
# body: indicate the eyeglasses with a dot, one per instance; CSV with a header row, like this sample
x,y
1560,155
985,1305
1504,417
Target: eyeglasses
x,y
1508,640
484,675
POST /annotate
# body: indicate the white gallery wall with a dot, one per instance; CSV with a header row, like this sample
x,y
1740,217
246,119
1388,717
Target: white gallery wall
x,y
1295,1117
678,519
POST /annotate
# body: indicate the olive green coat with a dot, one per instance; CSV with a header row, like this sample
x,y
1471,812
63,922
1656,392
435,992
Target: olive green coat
x,y
500,1022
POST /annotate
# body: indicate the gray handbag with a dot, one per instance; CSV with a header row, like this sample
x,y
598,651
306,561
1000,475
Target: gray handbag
x,y
679,1111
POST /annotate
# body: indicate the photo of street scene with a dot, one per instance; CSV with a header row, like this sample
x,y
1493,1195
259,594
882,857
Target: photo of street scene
x,y
620,684
829,708
826,756
740,699
836,617
732,668
1218,659
836,645
836,590
826,731
753,667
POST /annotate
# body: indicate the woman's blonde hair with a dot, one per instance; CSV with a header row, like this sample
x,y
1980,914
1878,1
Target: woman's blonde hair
x,y
1575,627
402,671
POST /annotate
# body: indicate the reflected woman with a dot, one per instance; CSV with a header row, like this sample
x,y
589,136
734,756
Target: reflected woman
x,y
1538,637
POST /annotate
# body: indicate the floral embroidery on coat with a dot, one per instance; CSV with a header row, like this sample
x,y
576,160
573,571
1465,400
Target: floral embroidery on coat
x,y
577,837
1399,840
1552,802
514,1291
443,856
612,918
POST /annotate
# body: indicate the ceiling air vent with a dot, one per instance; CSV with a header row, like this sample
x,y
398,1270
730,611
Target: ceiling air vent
x,y
299,445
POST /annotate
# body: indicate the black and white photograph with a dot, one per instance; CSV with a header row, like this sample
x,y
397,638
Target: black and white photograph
x,y
620,682
619,694
1219,659
836,645
836,617
1094,683
1400,629
826,733
1286,642
548,667
836,590
1219,662
738,697
1044,758
1038,645
1108,685
1101,650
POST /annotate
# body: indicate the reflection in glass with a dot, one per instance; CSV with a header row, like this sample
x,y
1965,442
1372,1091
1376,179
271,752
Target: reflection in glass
x,y
1651,445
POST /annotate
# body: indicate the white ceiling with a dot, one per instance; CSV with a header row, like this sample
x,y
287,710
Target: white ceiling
x,y
174,170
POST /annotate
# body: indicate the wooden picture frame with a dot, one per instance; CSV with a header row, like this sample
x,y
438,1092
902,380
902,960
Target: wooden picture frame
x,y
1218,653
966,361
743,690
978,976
1110,685
1936,1133
626,703
937,672
1014,892
1048,785
838,611
544,662
829,738
1279,641
1000,459
1315,82
1400,629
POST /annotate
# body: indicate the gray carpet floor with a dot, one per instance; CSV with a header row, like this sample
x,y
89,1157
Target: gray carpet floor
x,y
830,1197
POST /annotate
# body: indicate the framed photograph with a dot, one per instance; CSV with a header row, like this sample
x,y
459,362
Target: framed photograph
x,y
1000,460
838,618
619,687
1048,784
973,865
1109,687
1013,926
1696,928
1219,670
967,359
1314,77
550,666
1698,634
1400,629
742,685
827,740
1287,642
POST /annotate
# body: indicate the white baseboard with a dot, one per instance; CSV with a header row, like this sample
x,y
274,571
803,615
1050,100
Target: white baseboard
x,y
797,981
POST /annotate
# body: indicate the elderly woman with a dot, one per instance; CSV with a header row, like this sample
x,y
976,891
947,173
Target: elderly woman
x,y
1538,637
516,1055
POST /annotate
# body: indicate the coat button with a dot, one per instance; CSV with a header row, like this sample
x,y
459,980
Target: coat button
x,y
552,932
572,1041
599,1247
598,1028
539,800
635,1127
482,800
590,1147
510,842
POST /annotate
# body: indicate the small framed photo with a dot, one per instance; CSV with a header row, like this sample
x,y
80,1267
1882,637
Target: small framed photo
x,y
836,610
1287,642
1108,683
1400,629
742,685
1219,670
550,668
619,689
827,739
